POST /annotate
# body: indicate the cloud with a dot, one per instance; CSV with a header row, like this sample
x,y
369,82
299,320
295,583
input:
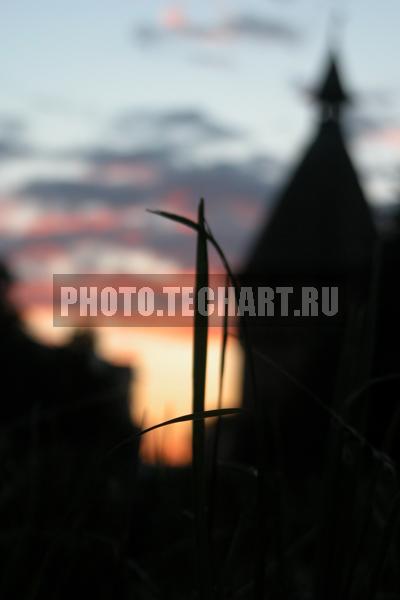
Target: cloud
x,y
363,116
178,187
263,29
360,124
10,149
366,123
170,128
390,136
76,192
12,143
173,17
11,126
237,195
247,27
101,207
197,122
378,97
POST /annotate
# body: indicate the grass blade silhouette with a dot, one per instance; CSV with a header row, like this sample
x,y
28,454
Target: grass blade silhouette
x,y
200,416
200,474
389,532
205,231
217,432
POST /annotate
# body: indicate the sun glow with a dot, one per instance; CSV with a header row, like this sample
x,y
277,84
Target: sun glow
x,y
161,362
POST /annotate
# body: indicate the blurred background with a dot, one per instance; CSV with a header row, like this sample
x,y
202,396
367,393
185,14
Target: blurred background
x,y
107,109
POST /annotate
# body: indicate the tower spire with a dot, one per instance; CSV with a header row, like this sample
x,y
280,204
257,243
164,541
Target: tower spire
x,y
331,93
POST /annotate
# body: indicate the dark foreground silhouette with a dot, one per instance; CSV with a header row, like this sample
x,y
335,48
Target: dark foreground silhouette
x,y
65,501
301,493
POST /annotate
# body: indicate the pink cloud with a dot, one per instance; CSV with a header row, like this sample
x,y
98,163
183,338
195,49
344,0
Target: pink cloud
x,y
121,172
61,223
247,212
173,18
390,136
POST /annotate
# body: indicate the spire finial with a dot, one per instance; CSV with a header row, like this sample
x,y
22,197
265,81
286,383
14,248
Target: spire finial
x,y
331,94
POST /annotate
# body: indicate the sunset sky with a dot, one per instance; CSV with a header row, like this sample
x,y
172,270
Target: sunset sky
x,y
107,109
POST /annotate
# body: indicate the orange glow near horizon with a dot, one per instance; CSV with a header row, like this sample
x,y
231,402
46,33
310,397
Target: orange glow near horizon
x,y
162,382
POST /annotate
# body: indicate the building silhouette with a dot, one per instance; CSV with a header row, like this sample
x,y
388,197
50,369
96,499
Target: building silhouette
x,y
66,499
321,233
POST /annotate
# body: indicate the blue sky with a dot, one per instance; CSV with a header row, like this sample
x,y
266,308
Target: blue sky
x,y
84,53
217,86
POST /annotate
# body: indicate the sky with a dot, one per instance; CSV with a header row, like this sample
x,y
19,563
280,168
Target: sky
x,y
107,109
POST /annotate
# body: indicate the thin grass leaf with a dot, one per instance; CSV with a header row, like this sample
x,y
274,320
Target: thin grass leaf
x,y
392,432
260,432
198,437
177,218
334,415
217,432
205,414
339,512
258,412
295,547
233,551
207,233
366,514
375,381
139,573
389,532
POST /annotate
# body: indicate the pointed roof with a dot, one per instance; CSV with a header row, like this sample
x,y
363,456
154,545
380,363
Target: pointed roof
x,y
331,89
321,221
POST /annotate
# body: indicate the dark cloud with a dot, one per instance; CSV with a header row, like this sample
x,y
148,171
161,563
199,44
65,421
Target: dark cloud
x,y
363,115
198,122
171,127
378,98
361,123
371,112
77,193
246,27
171,176
236,196
11,126
159,135
165,141
263,29
10,149
220,182
12,142
108,156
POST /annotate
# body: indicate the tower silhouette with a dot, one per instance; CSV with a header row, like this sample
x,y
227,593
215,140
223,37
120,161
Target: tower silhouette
x,y
321,232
